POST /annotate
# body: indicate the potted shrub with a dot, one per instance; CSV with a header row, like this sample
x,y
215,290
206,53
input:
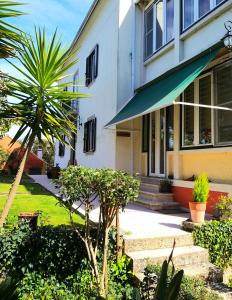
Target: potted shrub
x,y
200,197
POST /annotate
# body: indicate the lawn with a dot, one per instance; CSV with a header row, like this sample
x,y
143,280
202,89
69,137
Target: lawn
x,y
31,197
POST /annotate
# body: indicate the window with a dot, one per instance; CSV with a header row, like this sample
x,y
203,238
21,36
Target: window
x,y
158,21
74,103
197,121
194,10
223,79
145,133
92,66
61,152
90,135
170,128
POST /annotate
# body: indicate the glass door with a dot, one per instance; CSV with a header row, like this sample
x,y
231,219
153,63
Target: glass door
x,y
158,143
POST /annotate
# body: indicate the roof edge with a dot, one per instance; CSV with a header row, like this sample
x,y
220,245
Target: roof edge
x,y
84,23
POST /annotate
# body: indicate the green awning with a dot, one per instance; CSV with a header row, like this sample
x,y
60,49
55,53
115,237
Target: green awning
x,y
163,91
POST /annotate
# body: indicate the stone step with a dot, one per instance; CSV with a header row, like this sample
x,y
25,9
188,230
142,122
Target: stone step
x,y
157,205
149,187
151,180
182,256
136,244
156,196
203,271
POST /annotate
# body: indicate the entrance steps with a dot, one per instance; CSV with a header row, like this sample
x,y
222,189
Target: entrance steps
x,y
150,197
194,260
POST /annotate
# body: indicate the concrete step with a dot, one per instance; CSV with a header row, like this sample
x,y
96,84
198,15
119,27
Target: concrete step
x,y
157,205
150,180
151,243
149,187
182,256
156,196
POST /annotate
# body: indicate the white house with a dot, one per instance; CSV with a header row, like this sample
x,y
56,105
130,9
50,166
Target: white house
x,y
158,75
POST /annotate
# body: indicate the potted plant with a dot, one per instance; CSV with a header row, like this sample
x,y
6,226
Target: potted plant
x,y
200,197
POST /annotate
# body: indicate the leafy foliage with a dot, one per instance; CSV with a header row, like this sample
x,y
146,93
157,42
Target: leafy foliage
x,y
192,288
10,35
114,189
216,237
201,189
48,151
54,251
3,156
8,289
120,283
224,207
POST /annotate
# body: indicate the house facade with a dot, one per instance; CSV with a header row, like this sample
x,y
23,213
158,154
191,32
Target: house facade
x,y
159,81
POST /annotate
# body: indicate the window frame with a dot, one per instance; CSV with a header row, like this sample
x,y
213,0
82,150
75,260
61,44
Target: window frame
x,y
196,140
165,41
217,143
92,61
213,6
90,135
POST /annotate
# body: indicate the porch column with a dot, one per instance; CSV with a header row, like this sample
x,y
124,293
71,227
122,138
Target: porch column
x,y
176,153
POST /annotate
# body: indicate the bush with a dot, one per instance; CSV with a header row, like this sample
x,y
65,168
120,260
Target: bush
x,y
201,189
192,288
224,207
54,251
216,237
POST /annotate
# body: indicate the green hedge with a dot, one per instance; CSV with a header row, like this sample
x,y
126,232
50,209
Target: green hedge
x,y
216,236
53,251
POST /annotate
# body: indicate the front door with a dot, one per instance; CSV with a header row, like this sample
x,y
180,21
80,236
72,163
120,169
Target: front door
x,y
157,143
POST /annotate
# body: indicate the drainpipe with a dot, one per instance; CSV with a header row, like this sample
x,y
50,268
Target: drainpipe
x,y
133,46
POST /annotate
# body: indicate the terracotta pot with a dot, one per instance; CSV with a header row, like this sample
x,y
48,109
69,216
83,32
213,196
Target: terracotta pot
x,y
197,210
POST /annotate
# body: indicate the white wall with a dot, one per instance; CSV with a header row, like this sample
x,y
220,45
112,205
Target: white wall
x,y
102,29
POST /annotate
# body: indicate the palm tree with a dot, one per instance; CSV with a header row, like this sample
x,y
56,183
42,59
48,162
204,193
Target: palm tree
x,y
9,34
43,109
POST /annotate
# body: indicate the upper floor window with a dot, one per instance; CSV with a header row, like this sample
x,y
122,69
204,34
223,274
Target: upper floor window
x,y
158,21
194,10
92,66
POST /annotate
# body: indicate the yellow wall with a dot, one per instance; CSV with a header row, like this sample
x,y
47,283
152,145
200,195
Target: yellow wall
x,y
217,163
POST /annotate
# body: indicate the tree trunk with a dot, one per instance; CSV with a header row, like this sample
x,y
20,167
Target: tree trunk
x,y
16,182
104,277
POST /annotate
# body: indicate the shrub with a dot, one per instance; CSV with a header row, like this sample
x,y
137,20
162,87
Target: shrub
x,y
216,237
192,288
54,251
201,189
224,207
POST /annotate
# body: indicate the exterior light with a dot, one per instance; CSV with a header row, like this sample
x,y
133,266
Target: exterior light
x,y
227,39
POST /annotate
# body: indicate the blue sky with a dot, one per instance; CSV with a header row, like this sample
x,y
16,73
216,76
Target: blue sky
x,y
66,15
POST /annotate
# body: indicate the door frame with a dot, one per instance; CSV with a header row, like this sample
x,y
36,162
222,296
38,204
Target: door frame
x,y
157,145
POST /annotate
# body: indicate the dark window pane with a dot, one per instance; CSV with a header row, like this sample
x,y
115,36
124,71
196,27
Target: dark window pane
x,y
170,127
224,98
205,113
153,142
188,116
162,140
188,12
149,32
169,19
145,132
159,24
219,1
204,7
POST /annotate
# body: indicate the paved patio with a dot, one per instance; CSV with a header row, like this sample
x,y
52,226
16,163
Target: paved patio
x,y
135,221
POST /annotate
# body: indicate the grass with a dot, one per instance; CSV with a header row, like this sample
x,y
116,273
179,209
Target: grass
x,y
31,197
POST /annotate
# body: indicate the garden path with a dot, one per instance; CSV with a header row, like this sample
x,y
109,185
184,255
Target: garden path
x,y
135,221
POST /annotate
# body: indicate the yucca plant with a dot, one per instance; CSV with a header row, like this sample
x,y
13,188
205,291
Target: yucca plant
x,y
10,36
166,290
43,102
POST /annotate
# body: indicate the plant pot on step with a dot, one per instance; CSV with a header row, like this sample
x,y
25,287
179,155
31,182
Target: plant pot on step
x,y
197,211
200,196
